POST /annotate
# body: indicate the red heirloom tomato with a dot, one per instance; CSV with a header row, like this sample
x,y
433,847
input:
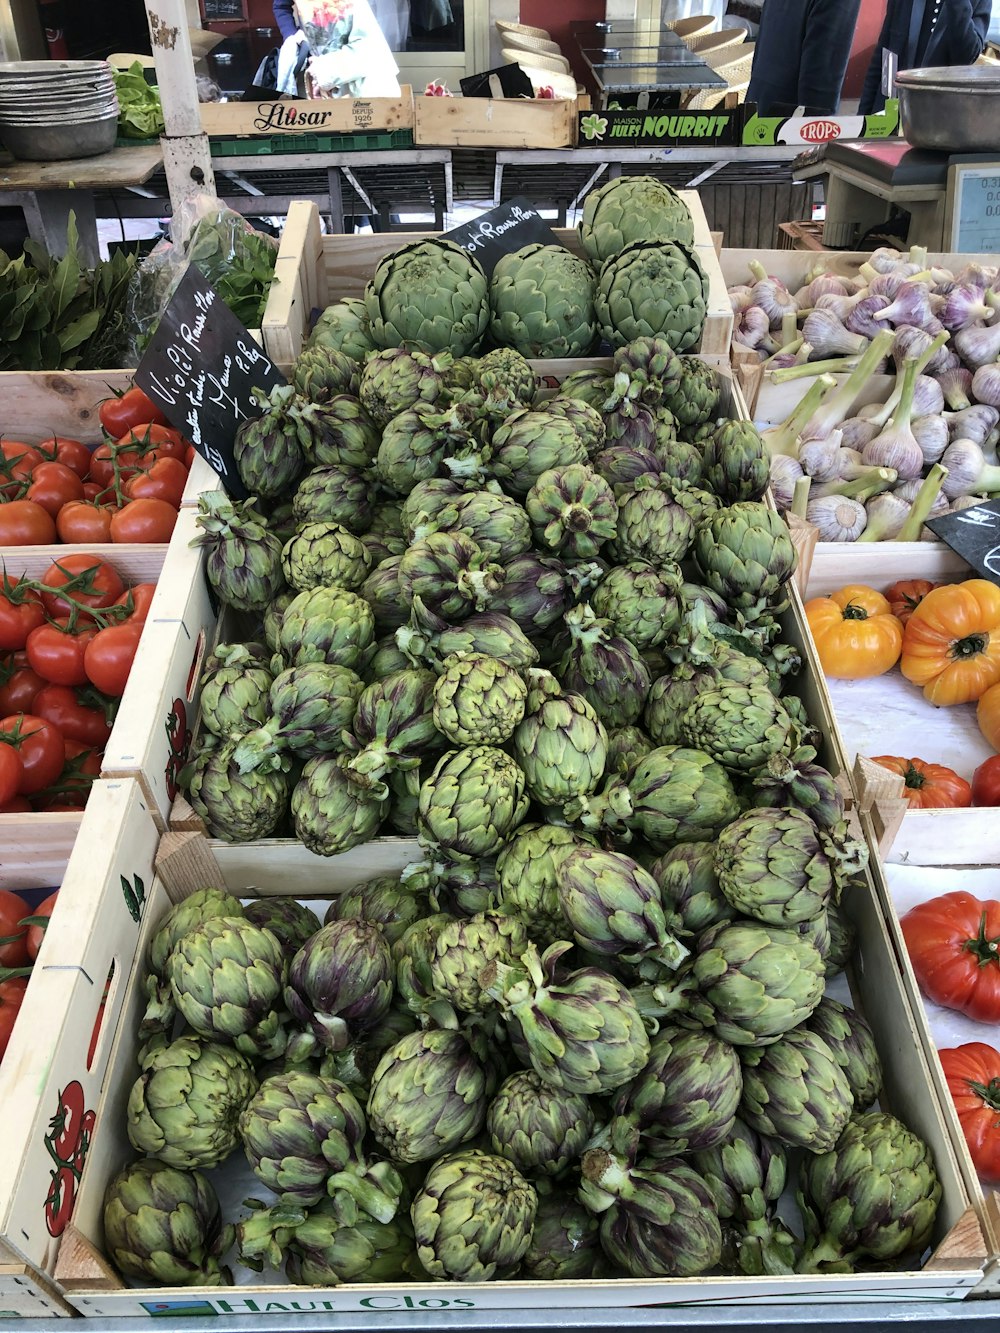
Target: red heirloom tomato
x,y
952,941
39,746
973,1074
118,415
928,786
11,775
165,480
84,522
144,521
140,597
150,435
71,453
986,782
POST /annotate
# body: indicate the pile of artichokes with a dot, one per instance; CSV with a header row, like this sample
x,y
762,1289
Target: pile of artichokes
x,y
586,1034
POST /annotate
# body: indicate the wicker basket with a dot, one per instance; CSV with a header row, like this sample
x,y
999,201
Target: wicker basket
x,y
726,40
564,86
522,29
692,27
537,45
540,60
732,67
711,97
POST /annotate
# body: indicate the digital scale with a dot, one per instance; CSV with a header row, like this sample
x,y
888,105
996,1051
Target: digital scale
x,y
953,199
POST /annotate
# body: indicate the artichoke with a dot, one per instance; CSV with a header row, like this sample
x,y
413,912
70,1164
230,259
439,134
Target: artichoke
x,y
542,302
428,442
736,462
430,296
506,381
539,1129
795,780
745,554
233,696
411,956
238,807
652,524
565,1240
464,949
573,511
853,1045
270,450
243,563
495,522
450,573
527,877
626,746
641,601
632,208
327,625
428,1096
334,494
842,936
742,726
472,1218
331,812
320,371
310,708
649,289
393,729
460,888
795,1091
620,464
694,397
606,669
325,555
165,1226
689,888
771,866
344,327
873,1195
324,1253
394,379
197,907
384,900
471,802
427,639
185,1105
382,592
585,419
478,700
340,982
530,443
288,920
561,744
341,433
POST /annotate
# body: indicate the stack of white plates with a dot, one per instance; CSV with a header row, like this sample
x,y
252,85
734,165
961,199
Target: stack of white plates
x,y
51,109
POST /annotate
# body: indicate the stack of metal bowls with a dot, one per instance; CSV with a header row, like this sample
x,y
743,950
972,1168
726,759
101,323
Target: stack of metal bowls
x,y
51,110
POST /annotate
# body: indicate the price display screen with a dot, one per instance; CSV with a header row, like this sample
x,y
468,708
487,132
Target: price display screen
x,y
975,209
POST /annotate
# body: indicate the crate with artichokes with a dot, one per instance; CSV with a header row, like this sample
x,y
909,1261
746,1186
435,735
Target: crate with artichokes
x,y
586,1031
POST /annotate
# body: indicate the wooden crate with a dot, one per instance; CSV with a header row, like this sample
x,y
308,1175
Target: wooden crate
x,y
39,404
801,236
495,122
328,115
314,270
188,862
54,1068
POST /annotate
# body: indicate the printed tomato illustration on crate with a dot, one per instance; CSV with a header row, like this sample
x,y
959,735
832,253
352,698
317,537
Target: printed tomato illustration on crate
x,y
67,1142
179,738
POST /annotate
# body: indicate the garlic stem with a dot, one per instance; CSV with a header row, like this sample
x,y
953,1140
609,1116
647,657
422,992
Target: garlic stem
x,y
890,404
921,507
832,366
757,269
838,403
800,497
789,326
787,350
784,438
873,480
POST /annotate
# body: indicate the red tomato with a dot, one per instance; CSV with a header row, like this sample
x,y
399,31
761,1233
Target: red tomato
x,y
139,598
16,464
11,774
109,656
132,408
102,469
93,583
40,747
18,684
17,805
13,936
927,786
71,453
36,932
11,994
168,443
84,523
77,720
190,454
57,653
986,782
165,480
25,523
973,1074
54,485
93,490
19,618
952,941
144,521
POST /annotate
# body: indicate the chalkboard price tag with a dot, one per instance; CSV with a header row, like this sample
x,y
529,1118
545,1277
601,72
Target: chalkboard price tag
x,y
200,368
975,534
501,231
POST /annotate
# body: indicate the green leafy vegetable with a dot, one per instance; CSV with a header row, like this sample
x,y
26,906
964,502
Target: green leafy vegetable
x,y
141,115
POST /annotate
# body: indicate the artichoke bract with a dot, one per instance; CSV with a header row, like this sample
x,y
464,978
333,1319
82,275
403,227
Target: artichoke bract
x,y
542,302
527,877
687,1095
873,1195
185,1105
327,625
582,1034
632,208
771,866
383,900
430,296
853,1044
745,554
539,1129
656,1223
428,1096
607,670
243,564
794,1090
613,907
761,981
565,1240
331,812
394,379
311,707
165,1225
340,982
472,1218
471,802
478,700
464,949
652,289
573,511
561,744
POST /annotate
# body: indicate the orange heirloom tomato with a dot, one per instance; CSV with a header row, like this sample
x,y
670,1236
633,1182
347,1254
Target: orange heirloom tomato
x,y
951,644
988,715
905,595
855,633
928,786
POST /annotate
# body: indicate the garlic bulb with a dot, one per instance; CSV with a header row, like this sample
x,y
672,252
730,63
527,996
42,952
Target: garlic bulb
x,y
886,514
821,458
838,518
909,490
931,434
785,472
963,306
828,336
896,446
928,396
968,471
978,346
973,423
861,318
911,305
771,295
838,305
886,284
911,341
977,275
956,385
740,297
885,259
750,326
857,432
986,384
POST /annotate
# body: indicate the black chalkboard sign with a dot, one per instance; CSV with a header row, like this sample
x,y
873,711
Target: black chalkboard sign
x,y
975,534
218,11
200,367
501,231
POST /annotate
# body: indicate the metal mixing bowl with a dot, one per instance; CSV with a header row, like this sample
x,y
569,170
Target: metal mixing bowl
x,y
952,109
58,143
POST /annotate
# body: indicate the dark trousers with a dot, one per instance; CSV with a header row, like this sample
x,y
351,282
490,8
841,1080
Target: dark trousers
x,y
802,51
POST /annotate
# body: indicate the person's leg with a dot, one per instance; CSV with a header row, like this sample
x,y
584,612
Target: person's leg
x,y
774,79
826,49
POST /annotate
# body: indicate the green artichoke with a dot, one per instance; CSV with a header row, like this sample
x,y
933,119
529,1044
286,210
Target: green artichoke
x,y
429,441
395,378
393,729
527,877
585,419
320,371
344,327
451,574
565,1241
311,707
541,1130
737,462
243,563
626,746
334,494
794,780
341,433
506,381
233,696
641,601
430,296
542,302
530,443
327,625
165,1226
495,522
573,511
411,956
742,726
745,554
694,397
632,208
771,866
472,1218
325,555
795,1091
842,938
238,807
652,288
478,700
384,900
324,1253
340,982
853,1044
607,670
270,450
471,802
652,525
184,1106
464,949
331,812
561,743
689,888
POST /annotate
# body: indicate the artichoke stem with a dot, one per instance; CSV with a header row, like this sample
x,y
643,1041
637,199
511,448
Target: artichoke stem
x,y
256,747
365,1193
821,1256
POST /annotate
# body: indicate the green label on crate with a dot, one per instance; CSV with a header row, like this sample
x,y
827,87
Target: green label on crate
x,y
766,131
218,1305
667,128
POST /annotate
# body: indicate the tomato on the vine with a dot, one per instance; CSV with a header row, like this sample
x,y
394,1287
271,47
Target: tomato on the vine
x,y
84,523
25,523
144,521
102,467
139,598
17,805
19,683
40,747
17,462
18,618
11,994
11,774
71,453
109,656
57,652
132,408
54,485
36,932
103,583
167,442
13,936
165,480
79,719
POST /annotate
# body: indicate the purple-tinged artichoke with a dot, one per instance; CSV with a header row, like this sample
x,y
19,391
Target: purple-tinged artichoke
x,y
605,668
771,866
471,803
531,442
393,729
310,707
565,1241
689,888
321,371
325,555
560,744
539,590
243,563
541,1130
794,1090
652,523
339,983
331,812
527,877
270,450
384,901
465,948
340,432
327,625
478,700
641,601
451,575
288,920
573,511
394,379
853,1045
